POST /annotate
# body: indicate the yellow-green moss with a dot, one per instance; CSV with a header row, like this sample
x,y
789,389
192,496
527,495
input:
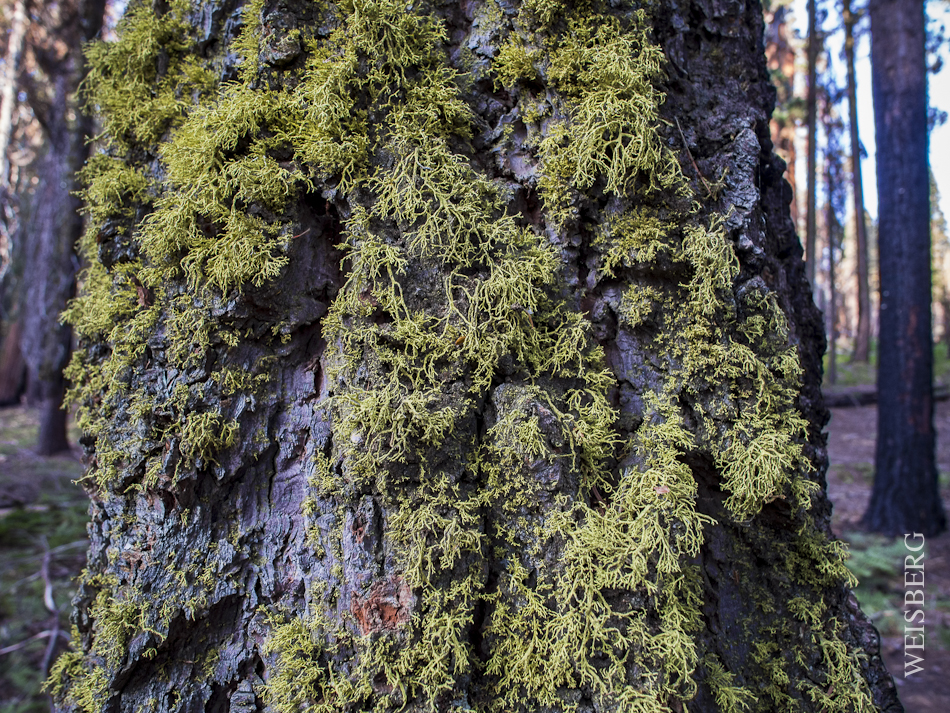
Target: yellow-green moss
x,y
729,697
606,74
138,97
76,682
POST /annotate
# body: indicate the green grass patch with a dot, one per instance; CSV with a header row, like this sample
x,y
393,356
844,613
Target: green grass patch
x,y
852,473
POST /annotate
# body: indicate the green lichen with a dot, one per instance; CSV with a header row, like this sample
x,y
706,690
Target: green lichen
x,y
301,678
515,62
446,292
142,85
606,74
77,683
729,697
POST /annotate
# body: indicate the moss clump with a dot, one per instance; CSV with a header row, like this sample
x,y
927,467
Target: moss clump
x,y
730,697
301,677
516,63
606,75
75,682
143,85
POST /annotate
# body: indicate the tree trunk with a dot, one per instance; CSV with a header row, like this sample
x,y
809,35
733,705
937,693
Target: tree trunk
x,y
781,59
55,227
811,229
831,225
945,321
12,367
432,361
905,497
862,337
18,25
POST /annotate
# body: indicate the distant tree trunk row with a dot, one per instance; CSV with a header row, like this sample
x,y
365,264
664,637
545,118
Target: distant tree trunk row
x,y
862,336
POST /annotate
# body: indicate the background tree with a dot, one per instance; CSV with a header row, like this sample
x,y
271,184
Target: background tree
x,y
940,246
780,51
12,366
835,196
862,336
18,26
451,357
905,497
55,222
811,177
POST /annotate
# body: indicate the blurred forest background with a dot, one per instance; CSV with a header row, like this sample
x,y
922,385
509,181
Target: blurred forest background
x,y
817,53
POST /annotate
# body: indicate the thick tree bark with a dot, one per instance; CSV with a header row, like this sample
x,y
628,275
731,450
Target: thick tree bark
x,y
54,229
905,497
862,336
435,362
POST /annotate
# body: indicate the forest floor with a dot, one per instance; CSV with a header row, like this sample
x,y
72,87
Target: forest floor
x,y
43,517
42,545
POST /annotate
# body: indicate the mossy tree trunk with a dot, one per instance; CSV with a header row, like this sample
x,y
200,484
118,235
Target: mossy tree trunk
x,y
453,357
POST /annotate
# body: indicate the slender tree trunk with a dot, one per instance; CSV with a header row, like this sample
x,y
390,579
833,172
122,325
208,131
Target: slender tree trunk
x,y
53,231
8,85
862,337
945,313
831,221
446,357
905,497
781,59
811,230
12,367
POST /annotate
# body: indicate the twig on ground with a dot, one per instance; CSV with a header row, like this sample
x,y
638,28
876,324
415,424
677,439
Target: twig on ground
x,y
42,635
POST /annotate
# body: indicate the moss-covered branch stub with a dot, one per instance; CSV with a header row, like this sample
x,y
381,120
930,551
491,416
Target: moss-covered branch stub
x,y
468,392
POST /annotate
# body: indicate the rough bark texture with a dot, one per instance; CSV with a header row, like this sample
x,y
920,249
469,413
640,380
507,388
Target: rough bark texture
x,y
905,497
54,228
437,363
